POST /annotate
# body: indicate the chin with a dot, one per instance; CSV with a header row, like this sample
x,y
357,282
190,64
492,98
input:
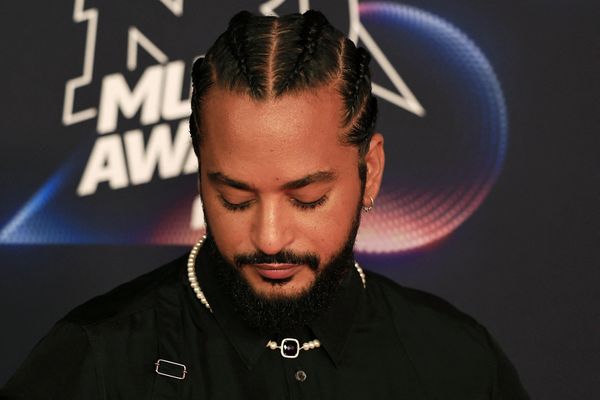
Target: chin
x,y
279,289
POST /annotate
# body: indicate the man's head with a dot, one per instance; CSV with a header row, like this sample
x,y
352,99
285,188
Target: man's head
x,y
282,123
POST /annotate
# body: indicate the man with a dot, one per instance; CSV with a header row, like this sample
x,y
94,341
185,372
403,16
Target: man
x,y
271,304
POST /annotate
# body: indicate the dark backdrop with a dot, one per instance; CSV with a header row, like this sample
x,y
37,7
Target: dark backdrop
x,y
524,263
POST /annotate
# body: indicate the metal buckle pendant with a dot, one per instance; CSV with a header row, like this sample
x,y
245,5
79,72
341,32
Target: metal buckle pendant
x,y
171,363
290,348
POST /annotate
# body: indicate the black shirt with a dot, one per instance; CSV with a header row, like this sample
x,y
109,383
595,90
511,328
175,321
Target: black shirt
x,y
382,342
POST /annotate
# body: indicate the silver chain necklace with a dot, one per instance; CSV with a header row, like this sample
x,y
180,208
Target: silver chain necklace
x,y
289,347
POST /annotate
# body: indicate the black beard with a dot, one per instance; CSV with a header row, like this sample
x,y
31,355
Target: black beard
x,y
278,315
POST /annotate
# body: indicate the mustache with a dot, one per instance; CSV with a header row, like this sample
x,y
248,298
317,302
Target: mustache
x,y
283,257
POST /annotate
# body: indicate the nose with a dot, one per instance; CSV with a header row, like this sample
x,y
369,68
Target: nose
x,y
271,230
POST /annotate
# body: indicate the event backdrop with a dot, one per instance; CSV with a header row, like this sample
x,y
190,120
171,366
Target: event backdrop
x,y
486,109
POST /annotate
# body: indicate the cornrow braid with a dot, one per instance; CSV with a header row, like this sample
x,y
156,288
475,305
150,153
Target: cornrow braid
x,y
311,34
236,40
364,126
362,75
356,80
201,73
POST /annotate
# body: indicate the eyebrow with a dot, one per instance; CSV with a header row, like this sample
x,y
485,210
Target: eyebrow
x,y
218,177
317,177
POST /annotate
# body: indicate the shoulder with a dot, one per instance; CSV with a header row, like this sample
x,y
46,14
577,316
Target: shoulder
x,y
450,349
91,341
418,300
427,314
139,294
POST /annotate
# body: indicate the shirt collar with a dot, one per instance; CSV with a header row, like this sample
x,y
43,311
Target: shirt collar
x,y
248,342
332,328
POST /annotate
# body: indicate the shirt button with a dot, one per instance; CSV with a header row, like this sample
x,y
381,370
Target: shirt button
x,y
300,376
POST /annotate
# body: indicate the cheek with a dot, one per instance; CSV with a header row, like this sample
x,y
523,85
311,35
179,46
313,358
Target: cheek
x,y
225,226
330,228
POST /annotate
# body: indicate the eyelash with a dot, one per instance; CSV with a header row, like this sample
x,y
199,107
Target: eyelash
x,y
310,206
297,203
233,206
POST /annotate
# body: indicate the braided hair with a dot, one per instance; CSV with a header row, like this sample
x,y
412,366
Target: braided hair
x,y
266,57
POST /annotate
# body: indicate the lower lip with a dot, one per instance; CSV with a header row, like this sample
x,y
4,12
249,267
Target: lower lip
x,y
279,272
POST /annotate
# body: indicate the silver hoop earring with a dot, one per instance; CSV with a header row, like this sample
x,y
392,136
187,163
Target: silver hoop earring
x,y
370,207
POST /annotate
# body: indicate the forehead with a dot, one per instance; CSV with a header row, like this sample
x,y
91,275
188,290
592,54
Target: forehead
x,y
292,133
317,109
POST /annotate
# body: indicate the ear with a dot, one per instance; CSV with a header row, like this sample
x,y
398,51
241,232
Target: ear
x,y
375,162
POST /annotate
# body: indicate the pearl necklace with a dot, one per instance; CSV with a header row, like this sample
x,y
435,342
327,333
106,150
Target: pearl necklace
x,y
289,347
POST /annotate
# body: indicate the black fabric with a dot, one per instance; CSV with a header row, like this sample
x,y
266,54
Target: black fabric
x,y
170,345
381,342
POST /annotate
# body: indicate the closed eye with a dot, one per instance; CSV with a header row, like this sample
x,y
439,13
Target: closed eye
x,y
234,206
310,205
303,205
